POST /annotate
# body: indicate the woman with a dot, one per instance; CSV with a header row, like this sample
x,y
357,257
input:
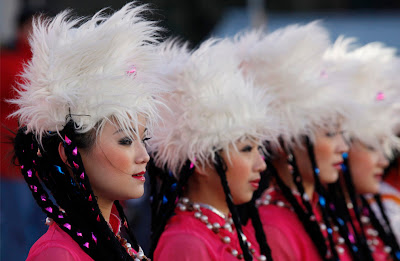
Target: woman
x,y
210,138
295,211
373,137
85,109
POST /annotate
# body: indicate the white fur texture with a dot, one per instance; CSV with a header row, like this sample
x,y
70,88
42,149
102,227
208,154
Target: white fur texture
x,y
211,106
81,67
371,70
288,63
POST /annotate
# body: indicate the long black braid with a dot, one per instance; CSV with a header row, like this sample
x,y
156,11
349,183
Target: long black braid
x,y
322,197
388,226
383,234
310,224
221,168
165,192
359,245
341,217
77,212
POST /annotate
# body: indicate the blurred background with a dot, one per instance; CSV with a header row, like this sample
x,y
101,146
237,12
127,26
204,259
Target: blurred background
x,y
22,222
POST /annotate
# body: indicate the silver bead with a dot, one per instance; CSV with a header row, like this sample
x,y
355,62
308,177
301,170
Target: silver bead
x,y
185,200
204,218
364,219
387,249
280,204
262,258
340,250
128,245
228,227
216,225
196,206
375,241
305,197
350,205
197,215
249,244
266,202
226,239
209,226
244,238
369,241
335,228
268,197
182,208
322,226
340,240
234,252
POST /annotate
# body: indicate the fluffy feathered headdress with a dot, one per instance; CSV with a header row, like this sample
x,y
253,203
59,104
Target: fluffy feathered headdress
x,y
211,106
91,71
373,87
288,63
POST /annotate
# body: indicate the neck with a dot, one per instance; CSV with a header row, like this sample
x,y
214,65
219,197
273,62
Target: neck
x,y
105,206
284,173
201,191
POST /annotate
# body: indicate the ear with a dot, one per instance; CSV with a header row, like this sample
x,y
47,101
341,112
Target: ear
x,y
204,170
62,154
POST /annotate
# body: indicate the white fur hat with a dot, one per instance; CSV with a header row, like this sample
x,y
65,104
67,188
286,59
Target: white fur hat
x,y
211,106
288,63
373,87
91,70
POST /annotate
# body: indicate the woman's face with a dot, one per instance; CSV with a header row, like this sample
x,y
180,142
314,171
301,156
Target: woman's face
x,y
243,170
366,167
328,149
116,164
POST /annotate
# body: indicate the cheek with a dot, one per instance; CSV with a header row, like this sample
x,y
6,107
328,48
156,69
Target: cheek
x,y
119,159
324,154
361,163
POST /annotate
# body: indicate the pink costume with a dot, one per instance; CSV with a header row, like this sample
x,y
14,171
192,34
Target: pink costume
x,y
188,238
56,244
375,243
285,233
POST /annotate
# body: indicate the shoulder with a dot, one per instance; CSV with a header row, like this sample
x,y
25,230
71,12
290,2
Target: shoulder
x,y
184,239
55,244
182,246
49,253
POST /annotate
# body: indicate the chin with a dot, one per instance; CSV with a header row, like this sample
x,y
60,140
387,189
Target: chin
x,y
331,178
242,200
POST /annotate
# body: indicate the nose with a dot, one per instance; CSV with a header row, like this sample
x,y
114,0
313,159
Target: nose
x,y
141,155
260,164
342,146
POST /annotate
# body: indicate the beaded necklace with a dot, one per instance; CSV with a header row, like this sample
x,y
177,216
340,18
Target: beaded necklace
x,y
184,204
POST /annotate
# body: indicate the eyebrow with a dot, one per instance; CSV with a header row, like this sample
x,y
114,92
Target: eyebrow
x,y
133,130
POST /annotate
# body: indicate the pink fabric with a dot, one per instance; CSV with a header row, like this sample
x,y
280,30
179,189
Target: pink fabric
x,y
187,238
56,244
285,233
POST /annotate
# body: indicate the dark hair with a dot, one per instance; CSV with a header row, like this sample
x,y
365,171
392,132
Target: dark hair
x,y
304,211
359,202
75,209
166,190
